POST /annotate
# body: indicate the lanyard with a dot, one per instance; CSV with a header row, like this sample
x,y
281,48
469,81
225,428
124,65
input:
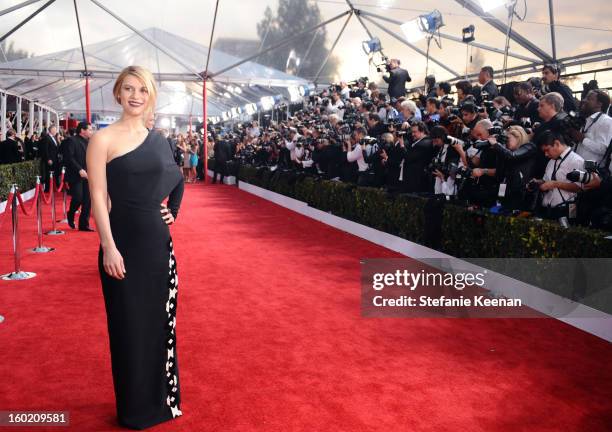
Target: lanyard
x,y
556,167
585,130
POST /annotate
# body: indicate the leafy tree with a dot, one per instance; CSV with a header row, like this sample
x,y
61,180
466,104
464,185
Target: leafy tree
x,y
8,52
291,18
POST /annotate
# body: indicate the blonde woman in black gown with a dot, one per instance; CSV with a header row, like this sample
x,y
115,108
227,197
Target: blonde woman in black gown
x,y
131,171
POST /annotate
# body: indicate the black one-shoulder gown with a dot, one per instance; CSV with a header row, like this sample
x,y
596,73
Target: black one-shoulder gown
x,y
141,308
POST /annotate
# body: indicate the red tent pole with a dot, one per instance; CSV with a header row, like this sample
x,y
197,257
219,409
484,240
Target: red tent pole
x,y
87,100
204,116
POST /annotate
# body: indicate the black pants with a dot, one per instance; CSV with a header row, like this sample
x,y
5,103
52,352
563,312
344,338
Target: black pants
x,y
219,169
79,191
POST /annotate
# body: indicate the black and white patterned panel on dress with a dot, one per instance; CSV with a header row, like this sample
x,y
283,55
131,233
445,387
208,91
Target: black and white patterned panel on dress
x,y
171,378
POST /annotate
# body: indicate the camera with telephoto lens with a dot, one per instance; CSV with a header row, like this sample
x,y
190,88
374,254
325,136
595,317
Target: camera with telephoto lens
x,y
570,120
466,144
499,133
585,175
444,168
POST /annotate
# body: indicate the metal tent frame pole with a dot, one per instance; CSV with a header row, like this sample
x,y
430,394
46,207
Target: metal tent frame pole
x,y
499,25
26,20
553,41
87,93
331,50
280,44
205,96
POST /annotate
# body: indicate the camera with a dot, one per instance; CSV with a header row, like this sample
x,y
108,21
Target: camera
x,y
583,176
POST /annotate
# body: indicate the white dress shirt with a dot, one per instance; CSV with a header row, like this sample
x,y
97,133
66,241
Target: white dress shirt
x,y
356,155
566,163
597,135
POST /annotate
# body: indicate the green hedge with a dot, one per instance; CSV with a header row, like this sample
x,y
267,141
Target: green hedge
x,y
22,173
462,233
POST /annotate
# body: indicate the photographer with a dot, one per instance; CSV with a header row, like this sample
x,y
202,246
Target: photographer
x,y
443,90
559,194
445,155
550,110
517,167
526,105
485,79
431,112
357,151
335,105
409,111
550,80
469,115
396,79
375,127
417,155
464,89
594,138
482,188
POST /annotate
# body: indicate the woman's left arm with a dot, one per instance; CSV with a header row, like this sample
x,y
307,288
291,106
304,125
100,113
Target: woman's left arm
x,y
170,212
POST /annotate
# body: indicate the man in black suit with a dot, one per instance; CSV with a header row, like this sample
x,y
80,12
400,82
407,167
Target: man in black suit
x,y
9,149
48,149
417,157
223,153
485,78
397,79
75,149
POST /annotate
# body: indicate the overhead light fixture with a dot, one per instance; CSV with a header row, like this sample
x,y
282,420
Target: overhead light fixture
x,y
416,29
468,34
371,46
250,108
412,30
225,116
488,5
165,122
267,103
302,90
227,95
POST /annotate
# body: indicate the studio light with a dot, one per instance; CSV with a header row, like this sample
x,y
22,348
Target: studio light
x,y
416,29
302,90
488,5
468,34
371,46
227,95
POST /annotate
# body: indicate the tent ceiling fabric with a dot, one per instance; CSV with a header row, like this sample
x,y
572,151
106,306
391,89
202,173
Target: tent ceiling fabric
x,y
179,92
109,29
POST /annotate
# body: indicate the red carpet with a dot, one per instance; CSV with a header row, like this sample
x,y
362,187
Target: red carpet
x,y
270,338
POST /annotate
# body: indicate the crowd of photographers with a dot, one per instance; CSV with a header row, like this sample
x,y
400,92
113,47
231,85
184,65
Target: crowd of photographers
x,y
525,148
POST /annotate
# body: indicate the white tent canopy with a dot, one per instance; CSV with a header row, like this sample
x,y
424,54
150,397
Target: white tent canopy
x,y
56,79
541,31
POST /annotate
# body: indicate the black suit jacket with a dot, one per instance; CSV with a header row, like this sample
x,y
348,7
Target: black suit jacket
x,y
222,151
491,89
9,151
75,151
48,150
397,80
416,159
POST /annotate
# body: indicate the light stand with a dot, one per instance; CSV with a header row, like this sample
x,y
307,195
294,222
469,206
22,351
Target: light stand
x,y
467,36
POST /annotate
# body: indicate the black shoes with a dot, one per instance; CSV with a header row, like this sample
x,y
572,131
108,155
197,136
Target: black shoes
x,y
88,229
71,224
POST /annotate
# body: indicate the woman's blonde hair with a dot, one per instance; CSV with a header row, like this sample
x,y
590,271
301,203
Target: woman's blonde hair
x,y
147,80
519,133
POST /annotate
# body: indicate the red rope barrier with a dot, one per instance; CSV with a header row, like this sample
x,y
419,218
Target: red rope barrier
x,y
61,186
46,199
7,210
25,211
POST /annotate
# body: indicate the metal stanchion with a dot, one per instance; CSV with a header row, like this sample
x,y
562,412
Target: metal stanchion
x,y
64,200
54,230
17,274
39,205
